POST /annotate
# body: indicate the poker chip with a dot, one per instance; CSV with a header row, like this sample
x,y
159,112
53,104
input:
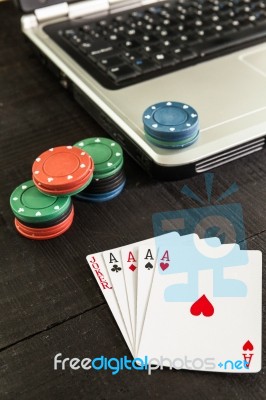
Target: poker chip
x,y
39,216
59,193
49,223
171,124
30,205
106,184
99,198
173,145
45,233
107,155
62,170
108,177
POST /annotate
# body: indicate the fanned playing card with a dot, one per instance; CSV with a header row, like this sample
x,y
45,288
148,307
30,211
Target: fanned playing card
x,y
205,314
147,255
108,270
114,266
100,273
129,257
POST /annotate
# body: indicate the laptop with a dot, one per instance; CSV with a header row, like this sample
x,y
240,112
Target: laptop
x,y
119,57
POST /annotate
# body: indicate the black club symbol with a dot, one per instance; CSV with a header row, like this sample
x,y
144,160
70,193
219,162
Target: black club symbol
x,y
116,268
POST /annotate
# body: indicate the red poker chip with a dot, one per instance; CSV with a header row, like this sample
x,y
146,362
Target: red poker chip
x,y
62,167
69,191
45,233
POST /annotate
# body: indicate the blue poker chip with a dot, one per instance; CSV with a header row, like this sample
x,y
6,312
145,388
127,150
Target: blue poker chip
x,y
99,198
171,121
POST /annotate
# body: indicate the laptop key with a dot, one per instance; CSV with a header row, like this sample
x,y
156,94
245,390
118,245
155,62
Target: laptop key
x,y
110,62
75,40
85,28
70,33
131,44
100,49
85,47
187,54
145,65
132,55
122,73
164,59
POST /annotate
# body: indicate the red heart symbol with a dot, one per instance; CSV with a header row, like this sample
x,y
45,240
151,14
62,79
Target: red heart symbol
x,y
164,265
248,346
202,306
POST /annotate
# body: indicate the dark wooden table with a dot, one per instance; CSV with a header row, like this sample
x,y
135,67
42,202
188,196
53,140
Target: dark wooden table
x,y
50,302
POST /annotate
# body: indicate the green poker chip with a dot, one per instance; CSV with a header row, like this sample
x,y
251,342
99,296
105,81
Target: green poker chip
x,y
106,154
173,145
30,205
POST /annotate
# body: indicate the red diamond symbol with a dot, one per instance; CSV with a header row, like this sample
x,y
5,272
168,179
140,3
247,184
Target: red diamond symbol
x,y
132,267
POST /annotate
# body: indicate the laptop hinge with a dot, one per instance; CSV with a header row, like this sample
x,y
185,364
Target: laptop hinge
x,y
74,10
114,4
51,12
86,7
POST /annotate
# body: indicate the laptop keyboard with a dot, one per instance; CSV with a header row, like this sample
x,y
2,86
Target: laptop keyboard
x,y
120,50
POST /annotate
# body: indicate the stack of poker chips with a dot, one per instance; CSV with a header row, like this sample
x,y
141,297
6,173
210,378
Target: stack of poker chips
x,y
108,176
43,206
38,216
171,125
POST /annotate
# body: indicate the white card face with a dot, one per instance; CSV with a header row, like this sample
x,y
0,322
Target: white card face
x,y
129,256
114,266
207,317
147,255
100,273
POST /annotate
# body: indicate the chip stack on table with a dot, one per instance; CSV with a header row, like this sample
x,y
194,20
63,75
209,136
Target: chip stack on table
x,y
108,176
43,207
171,125
38,216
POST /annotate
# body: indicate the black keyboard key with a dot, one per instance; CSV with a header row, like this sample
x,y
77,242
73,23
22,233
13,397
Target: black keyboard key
x,y
115,38
69,33
151,49
122,73
85,47
100,49
131,44
164,59
209,47
144,65
85,28
110,62
132,55
187,54
75,40
149,39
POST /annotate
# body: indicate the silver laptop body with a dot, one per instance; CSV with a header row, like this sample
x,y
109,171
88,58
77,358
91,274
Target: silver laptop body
x,y
229,94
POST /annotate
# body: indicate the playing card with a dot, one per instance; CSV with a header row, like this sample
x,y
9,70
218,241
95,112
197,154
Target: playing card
x,y
129,257
205,315
114,266
100,273
147,254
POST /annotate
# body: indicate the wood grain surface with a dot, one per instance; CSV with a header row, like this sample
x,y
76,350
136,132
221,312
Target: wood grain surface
x,y
49,300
